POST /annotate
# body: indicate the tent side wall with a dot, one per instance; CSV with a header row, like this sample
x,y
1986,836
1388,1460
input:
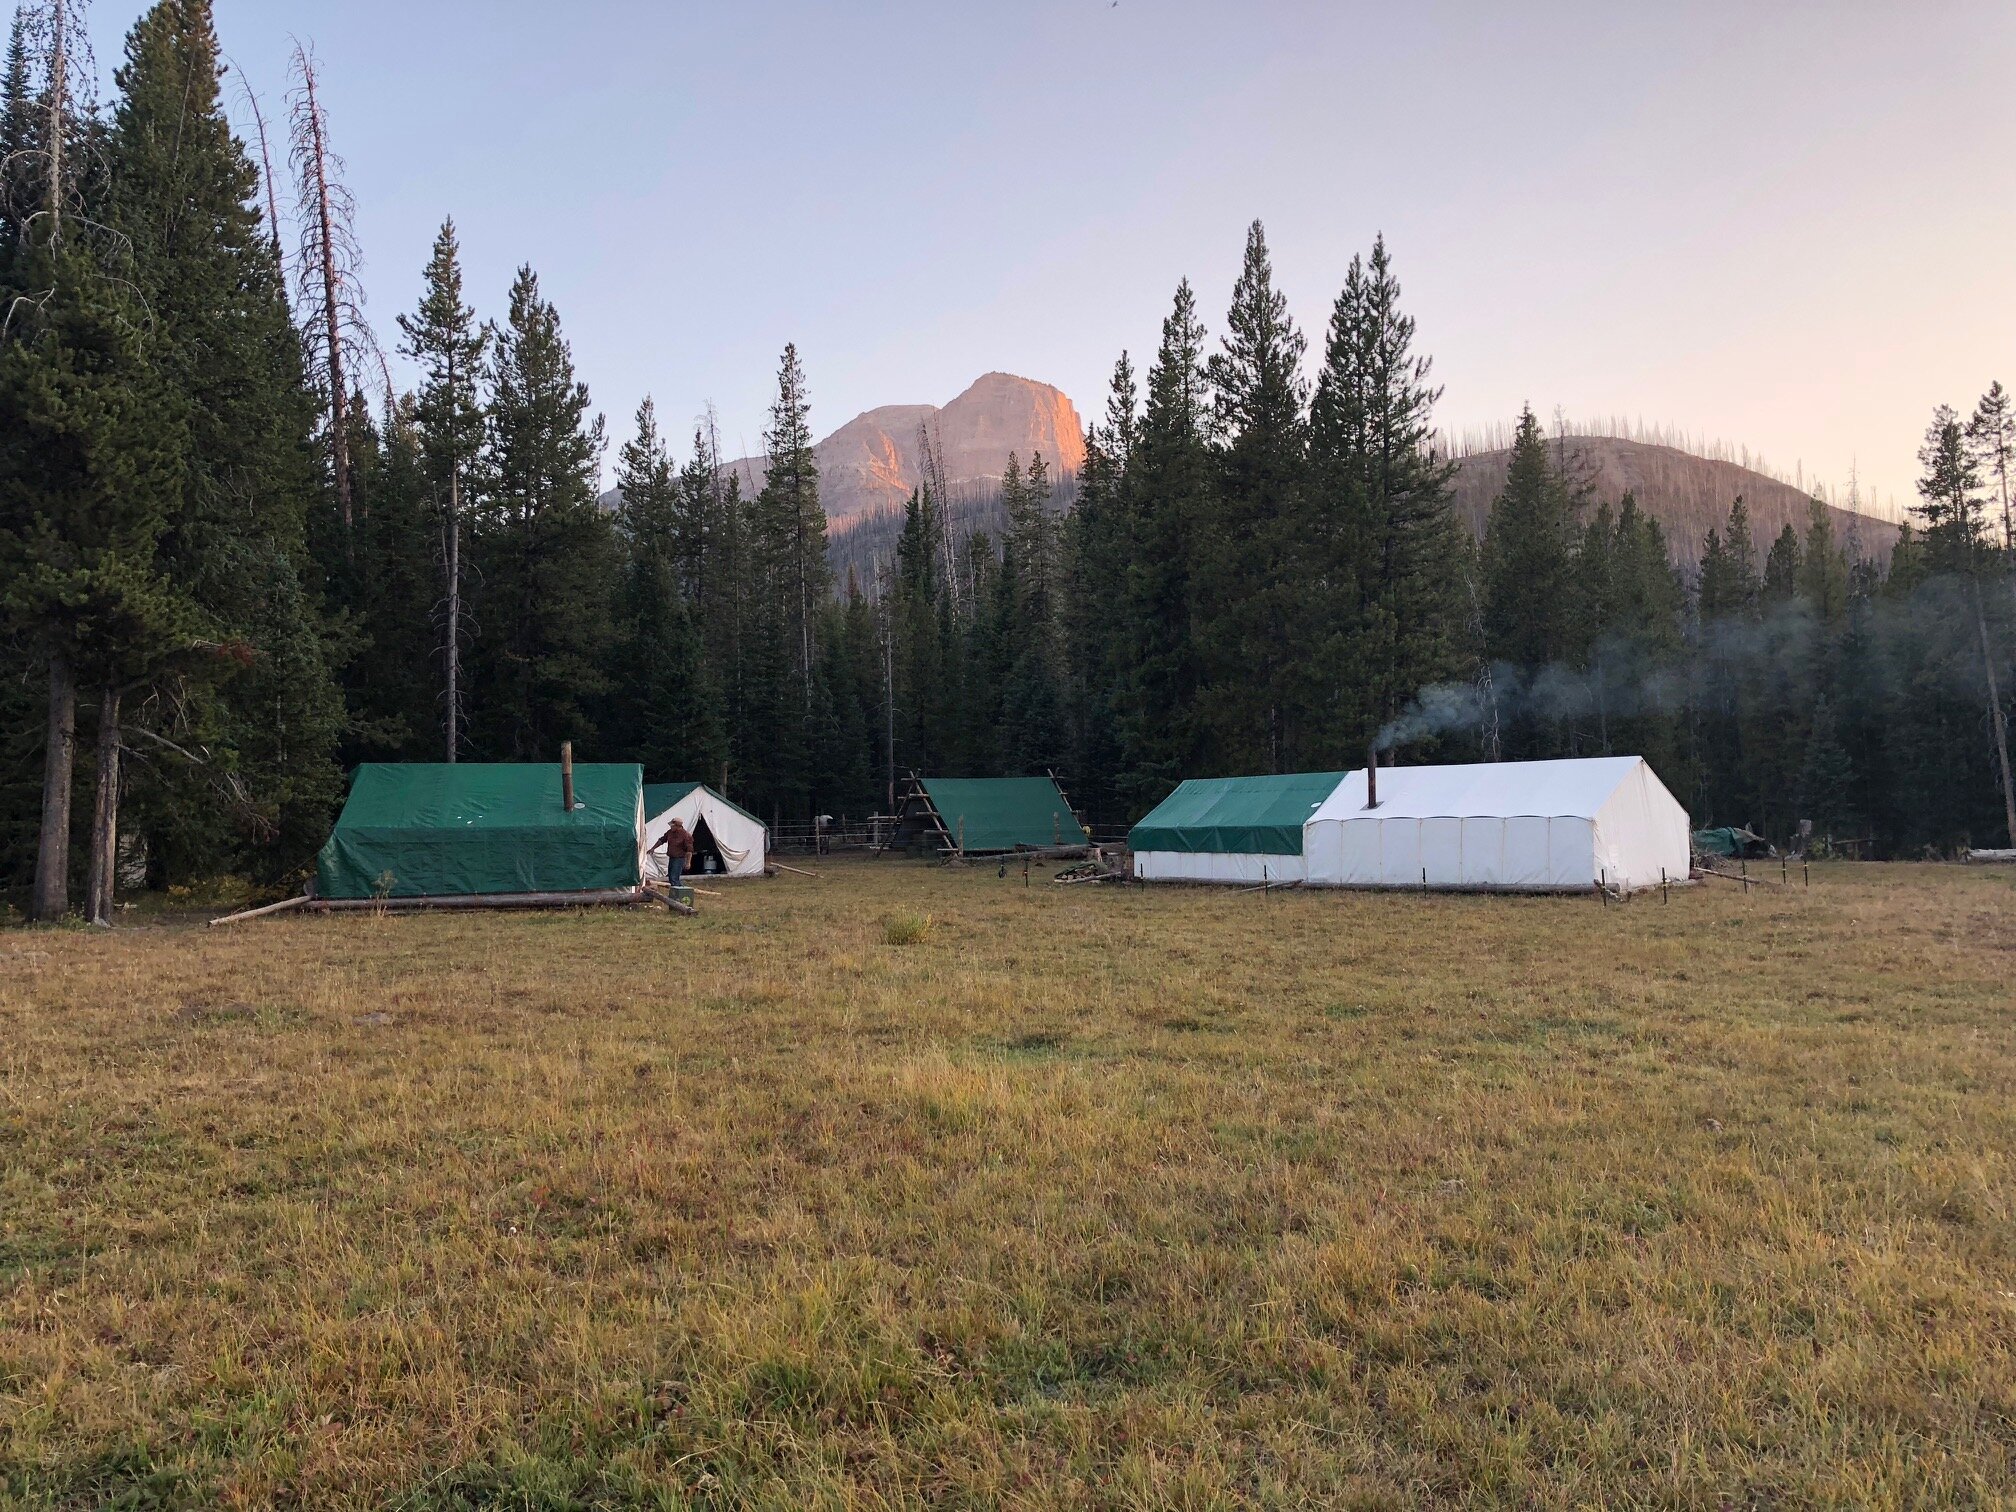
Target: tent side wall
x,y
1473,851
1643,835
1253,867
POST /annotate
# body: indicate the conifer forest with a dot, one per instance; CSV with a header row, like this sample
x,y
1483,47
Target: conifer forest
x,y
236,558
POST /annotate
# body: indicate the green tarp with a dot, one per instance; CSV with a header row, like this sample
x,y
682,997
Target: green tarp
x,y
660,796
1237,815
423,830
1003,813
1731,841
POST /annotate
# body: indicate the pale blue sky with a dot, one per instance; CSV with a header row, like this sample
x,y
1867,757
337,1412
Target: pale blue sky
x,y
1792,226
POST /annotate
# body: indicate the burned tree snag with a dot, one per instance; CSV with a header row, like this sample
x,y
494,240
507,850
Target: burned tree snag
x,y
327,268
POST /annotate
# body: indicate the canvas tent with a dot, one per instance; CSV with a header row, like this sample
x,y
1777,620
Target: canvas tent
x,y
434,830
727,841
985,815
1517,825
1230,829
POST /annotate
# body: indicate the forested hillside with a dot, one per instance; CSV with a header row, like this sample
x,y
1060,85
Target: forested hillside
x,y
233,562
1689,495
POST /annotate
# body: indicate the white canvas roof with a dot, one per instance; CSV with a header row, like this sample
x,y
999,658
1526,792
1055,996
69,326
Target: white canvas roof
x,y
1571,789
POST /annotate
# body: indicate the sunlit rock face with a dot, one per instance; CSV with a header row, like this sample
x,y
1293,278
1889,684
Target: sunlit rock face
x,y
871,463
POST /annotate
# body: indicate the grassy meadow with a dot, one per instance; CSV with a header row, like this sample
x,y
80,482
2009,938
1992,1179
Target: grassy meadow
x,y
911,1186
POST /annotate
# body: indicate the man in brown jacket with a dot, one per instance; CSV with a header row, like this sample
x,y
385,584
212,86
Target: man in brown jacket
x,y
677,843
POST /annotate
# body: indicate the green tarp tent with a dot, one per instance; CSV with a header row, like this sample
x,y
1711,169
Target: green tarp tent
x,y
990,814
1251,816
1731,841
430,830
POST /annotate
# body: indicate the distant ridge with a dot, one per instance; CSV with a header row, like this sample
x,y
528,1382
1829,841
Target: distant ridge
x,y
1688,495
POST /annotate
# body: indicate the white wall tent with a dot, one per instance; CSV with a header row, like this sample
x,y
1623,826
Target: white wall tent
x,y
1537,826
731,838
1230,829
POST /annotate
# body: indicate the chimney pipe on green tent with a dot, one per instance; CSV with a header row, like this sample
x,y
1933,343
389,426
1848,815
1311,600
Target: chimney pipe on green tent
x,y
567,776
1372,776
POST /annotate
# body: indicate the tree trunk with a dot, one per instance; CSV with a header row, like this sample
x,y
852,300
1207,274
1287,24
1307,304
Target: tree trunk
x,y
454,555
52,857
105,815
339,395
59,77
1995,718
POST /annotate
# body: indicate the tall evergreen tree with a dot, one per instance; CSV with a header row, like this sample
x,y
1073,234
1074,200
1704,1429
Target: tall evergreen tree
x,y
443,338
794,515
664,709
1388,552
1956,544
1098,539
545,549
1032,736
1528,557
1781,568
789,579
188,200
1254,590
1991,446
1172,477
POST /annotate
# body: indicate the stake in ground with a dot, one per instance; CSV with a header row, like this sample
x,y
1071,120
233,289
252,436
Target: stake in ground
x,y
1069,1196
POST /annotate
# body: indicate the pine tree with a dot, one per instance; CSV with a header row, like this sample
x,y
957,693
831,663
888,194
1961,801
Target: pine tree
x,y
1781,568
791,508
544,548
18,137
1097,542
187,200
1724,649
1991,446
92,449
394,690
724,593
788,579
1253,584
1032,736
1528,557
1826,779
1729,585
1956,544
1387,548
1170,488
1823,567
443,338
921,715
664,710
1949,502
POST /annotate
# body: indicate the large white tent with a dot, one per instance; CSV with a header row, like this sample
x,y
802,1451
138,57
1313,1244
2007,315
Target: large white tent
x,y
727,841
1537,826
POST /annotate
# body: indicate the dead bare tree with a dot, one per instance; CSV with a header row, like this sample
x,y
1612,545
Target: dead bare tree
x,y
336,335
932,460
265,169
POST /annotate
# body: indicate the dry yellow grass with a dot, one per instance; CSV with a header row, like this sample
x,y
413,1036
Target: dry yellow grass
x,y
1080,1197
